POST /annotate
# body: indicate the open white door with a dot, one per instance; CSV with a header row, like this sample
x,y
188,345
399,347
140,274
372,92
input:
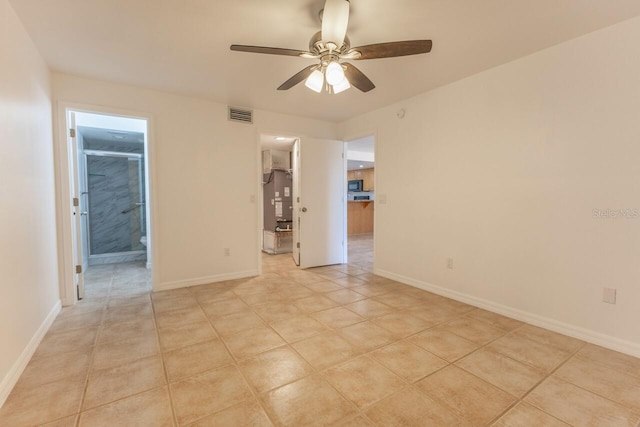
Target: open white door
x,y
320,202
295,166
75,205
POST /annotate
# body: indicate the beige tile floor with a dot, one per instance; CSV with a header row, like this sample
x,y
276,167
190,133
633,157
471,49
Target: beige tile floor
x,y
331,346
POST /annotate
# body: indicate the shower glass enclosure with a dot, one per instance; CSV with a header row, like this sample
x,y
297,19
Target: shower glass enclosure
x,y
114,203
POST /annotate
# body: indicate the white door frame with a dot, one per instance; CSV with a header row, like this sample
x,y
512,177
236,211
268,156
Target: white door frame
x,y
352,137
63,176
258,198
74,183
295,201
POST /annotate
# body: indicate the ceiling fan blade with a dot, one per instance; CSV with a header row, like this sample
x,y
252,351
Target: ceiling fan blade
x,y
335,19
390,50
357,78
272,50
297,78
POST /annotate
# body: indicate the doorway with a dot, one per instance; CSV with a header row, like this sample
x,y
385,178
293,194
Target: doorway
x,y
110,210
309,208
277,226
361,201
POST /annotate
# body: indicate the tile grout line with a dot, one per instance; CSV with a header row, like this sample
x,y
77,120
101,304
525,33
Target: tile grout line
x,y
316,371
93,355
573,355
102,326
236,365
524,396
320,373
164,366
289,345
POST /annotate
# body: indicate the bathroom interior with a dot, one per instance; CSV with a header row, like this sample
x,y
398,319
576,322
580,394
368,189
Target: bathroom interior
x,y
112,175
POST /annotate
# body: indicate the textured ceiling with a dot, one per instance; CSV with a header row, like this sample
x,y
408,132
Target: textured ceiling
x,y
182,46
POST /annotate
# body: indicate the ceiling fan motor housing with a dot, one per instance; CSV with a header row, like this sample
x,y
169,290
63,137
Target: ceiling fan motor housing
x,y
318,47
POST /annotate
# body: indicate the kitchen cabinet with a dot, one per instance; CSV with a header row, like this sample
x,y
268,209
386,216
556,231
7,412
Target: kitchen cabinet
x,y
366,175
360,217
367,179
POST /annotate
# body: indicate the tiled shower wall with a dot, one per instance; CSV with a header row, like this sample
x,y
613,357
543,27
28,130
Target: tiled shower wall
x,y
113,189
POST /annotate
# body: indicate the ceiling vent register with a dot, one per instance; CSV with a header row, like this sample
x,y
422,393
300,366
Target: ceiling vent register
x,y
240,115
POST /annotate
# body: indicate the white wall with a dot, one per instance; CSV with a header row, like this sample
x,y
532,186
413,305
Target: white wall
x,y
205,170
501,172
28,258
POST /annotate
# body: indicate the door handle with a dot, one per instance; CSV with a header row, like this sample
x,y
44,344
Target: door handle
x,y
84,213
304,209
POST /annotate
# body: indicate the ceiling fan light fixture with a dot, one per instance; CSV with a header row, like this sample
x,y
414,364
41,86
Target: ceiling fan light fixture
x,y
315,81
334,73
342,86
330,46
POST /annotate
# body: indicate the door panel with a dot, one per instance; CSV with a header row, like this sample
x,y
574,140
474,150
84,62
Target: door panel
x,y
322,212
295,200
75,207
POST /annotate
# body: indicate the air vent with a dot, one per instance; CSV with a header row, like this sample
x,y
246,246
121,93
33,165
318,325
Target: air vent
x,y
240,115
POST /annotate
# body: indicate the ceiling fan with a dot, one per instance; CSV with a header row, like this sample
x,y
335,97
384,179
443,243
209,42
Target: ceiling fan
x,y
332,46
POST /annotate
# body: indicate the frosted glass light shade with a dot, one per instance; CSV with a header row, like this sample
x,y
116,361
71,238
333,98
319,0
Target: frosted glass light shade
x,y
342,86
335,73
315,81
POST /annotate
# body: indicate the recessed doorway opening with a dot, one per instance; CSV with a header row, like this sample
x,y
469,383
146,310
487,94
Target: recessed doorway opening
x,y
360,201
110,227
302,200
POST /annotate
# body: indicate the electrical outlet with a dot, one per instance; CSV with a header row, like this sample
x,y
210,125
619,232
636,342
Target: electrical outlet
x,y
382,199
450,263
609,295
252,198
227,251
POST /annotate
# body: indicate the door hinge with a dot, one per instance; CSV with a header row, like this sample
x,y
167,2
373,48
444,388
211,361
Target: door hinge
x,y
72,133
76,201
78,269
298,245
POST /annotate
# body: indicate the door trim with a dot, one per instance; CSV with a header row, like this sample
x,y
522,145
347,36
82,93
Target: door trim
x,y
66,271
351,137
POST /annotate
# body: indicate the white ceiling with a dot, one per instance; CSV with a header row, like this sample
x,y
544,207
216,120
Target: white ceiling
x,y
366,144
354,164
361,153
114,137
183,45
276,142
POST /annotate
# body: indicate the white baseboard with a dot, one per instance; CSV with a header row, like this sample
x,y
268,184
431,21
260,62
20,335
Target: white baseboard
x,y
204,280
612,343
10,380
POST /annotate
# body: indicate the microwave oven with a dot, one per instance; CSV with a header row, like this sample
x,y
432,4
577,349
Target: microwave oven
x,y
355,185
